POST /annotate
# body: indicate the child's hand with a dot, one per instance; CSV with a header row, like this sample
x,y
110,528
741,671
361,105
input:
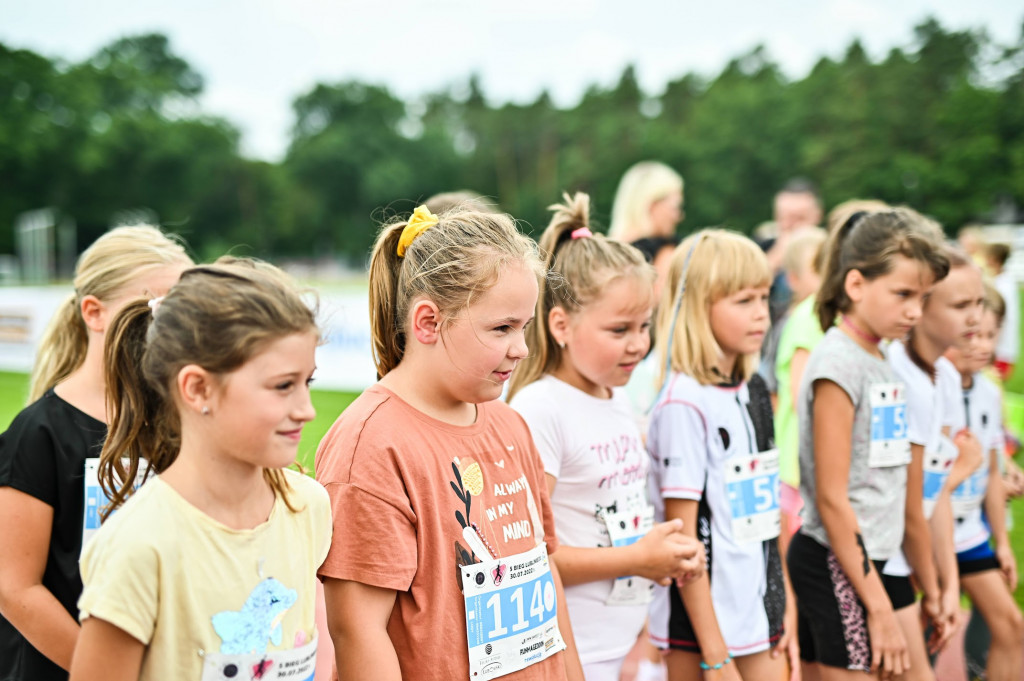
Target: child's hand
x,y
1007,566
949,616
1013,480
665,554
968,460
788,645
694,566
931,614
889,654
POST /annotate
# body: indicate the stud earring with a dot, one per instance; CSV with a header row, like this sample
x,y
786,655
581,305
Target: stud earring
x,y
205,411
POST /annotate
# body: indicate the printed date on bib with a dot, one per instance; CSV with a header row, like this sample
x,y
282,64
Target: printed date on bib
x,y
511,614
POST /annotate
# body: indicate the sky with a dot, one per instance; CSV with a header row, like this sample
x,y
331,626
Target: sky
x,y
257,56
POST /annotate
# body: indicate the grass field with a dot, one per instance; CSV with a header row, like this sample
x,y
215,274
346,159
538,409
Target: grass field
x,y
329,404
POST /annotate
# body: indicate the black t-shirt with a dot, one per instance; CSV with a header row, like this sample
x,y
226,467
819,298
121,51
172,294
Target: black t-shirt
x,y
43,455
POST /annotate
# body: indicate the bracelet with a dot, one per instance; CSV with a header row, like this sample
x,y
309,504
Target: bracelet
x,y
715,667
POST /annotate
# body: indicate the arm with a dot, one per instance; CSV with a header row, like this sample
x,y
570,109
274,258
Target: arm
x,y
917,536
696,595
26,524
995,510
796,374
789,643
573,667
106,653
357,619
663,554
833,427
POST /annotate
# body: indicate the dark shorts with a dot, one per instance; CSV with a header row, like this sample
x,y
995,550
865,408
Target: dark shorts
x,y
900,589
977,559
832,623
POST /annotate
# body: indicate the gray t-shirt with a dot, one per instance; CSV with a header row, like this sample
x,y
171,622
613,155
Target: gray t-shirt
x,y
880,450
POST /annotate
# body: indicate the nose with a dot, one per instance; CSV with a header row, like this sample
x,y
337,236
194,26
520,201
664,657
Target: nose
x,y
304,411
914,310
518,349
638,342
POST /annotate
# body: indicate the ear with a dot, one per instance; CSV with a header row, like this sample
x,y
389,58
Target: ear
x,y
94,313
425,319
854,285
558,325
196,387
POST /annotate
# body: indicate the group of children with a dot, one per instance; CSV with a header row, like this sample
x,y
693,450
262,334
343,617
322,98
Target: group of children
x,y
460,537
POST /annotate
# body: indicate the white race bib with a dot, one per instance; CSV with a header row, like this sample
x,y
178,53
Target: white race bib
x,y
625,529
511,613
96,500
970,495
297,664
937,465
752,485
889,445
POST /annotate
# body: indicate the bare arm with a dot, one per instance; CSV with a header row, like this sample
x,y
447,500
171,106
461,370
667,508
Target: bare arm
x,y
106,653
995,510
833,427
662,555
26,525
357,618
917,536
796,374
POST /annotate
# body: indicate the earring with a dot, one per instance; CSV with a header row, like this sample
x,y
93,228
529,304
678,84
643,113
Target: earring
x,y
561,345
205,411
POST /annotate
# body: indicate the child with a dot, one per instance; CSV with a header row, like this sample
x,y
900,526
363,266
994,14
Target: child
x,y
853,444
439,567
715,464
208,570
44,452
950,317
979,506
591,330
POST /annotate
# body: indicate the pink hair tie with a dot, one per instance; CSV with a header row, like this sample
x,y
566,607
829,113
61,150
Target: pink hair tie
x,y
581,232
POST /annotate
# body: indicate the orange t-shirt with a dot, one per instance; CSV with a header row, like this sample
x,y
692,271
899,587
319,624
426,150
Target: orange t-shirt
x,y
414,498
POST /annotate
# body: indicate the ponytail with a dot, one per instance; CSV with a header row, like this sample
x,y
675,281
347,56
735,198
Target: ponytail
x,y
140,427
61,350
832,293
386,329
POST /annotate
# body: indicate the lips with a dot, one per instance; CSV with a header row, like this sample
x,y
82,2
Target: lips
x,y
503,375
293,435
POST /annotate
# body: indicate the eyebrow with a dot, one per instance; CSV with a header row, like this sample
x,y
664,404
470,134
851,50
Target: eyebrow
x,y
513,321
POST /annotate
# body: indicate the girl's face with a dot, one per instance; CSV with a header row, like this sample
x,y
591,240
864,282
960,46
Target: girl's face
x,y
666,213
257,414
739,323
983,347
953,311
605,339
890,305
487,340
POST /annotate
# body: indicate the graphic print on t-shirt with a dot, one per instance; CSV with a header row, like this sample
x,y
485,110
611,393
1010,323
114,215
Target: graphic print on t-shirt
x,y
258,623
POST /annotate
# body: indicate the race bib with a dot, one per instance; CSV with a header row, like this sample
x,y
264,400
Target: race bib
x,y
889,445
96,500
625,529
511,613
752,485
297,664
937,465
970,495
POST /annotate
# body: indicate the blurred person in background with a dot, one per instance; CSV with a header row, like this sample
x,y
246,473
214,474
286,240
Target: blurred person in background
x,y
796,205
1008,347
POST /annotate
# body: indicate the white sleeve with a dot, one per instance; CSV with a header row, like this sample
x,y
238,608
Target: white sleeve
x,y
921,413
1008,345
678,441
545,428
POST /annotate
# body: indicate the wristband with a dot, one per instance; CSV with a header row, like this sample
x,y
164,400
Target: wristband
x,y
715,667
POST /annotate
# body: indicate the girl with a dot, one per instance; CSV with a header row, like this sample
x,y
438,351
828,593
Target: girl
x,y
208,571
715,464
979,507
950,317
44,452
439,567
590,331
853,444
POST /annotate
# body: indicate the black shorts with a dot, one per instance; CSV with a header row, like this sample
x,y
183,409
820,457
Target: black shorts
x,y
832,623
977,559
900,589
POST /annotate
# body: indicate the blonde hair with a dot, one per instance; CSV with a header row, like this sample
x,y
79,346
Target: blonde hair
x,y
463,199
217,317
801,244
994,302
716,263
450,263
870,243
641,186
579,268
103,270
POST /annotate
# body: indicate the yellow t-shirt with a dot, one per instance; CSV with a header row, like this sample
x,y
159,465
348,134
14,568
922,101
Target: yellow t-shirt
x,y
192,589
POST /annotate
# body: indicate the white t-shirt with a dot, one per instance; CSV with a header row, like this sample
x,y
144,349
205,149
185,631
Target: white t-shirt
x,y
594,448
983,405
1008,346
931,408
700,437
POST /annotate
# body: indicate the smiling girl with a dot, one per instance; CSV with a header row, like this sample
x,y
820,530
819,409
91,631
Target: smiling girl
x,y
591,329
716,465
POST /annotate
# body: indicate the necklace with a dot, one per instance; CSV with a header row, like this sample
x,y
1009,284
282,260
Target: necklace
x,y
863,335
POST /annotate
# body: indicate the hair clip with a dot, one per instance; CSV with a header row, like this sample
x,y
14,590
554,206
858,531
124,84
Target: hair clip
x,y
581,233
154,303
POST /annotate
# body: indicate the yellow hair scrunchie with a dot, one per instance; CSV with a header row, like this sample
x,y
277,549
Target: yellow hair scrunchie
x,y
422,220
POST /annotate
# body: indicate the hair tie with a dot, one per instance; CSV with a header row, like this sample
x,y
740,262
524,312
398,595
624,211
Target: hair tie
x,y
852,221
581,233
154,303
420,221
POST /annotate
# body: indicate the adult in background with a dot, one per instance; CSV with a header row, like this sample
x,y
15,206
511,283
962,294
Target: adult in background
x,y
796,205
1008,347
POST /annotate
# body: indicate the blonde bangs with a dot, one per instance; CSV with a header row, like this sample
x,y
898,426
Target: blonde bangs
x,y
721,263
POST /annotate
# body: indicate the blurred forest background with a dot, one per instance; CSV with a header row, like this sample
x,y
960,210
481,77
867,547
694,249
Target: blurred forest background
x,y
937,124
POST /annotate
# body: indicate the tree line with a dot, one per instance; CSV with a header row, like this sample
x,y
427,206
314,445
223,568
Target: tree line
x,y
937,124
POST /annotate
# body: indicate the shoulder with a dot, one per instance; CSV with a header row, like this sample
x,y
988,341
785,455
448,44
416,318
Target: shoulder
x,y
304,487
503,418
538,400
987,388
142,528
366,424
683,392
